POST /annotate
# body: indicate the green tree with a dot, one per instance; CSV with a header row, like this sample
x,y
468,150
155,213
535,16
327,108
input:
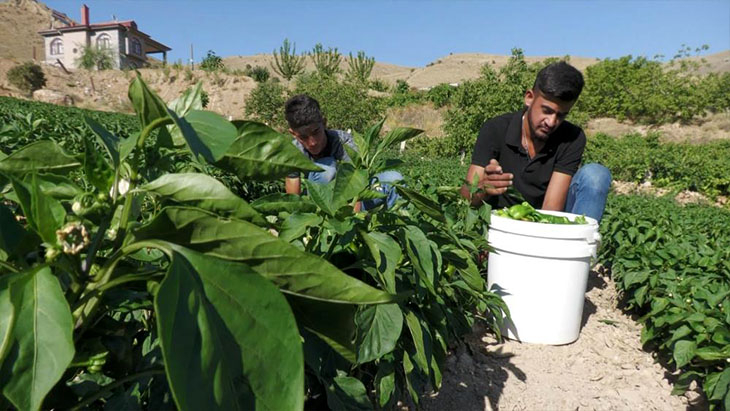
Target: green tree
x,y
326,62
27,77
346,105
287,63
95,58
266,104
360,67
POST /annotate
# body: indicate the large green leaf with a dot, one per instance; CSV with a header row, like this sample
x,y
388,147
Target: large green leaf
x,y
387,253
227,334
349,182
7,316
422,255
296,225
191,99
423,203
333,323
261,153
98,172
207,134
201,190
371,134
396,136
468,270
148,105
684,351
56,186
294,271
348,393
273,204
11,232
109,140
378,330
321,195
44,214
421,342
42,344
42,157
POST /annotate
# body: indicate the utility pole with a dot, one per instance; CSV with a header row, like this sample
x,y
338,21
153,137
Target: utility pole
x,y
192,61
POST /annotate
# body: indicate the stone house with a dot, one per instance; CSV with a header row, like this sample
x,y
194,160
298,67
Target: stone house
x,y
128,45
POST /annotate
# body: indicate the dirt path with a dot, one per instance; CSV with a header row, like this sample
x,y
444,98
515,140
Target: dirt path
x,y
605,369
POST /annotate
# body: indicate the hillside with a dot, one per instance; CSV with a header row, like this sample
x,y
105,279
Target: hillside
x,y
456,68
20,21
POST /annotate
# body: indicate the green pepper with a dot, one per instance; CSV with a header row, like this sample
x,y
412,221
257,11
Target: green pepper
x,y
521,211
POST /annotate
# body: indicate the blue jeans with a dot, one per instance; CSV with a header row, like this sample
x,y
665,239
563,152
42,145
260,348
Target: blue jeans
x,y
386,178
588,191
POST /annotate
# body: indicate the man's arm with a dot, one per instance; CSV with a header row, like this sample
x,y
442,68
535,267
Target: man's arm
x,y
293,185
557,191
491,179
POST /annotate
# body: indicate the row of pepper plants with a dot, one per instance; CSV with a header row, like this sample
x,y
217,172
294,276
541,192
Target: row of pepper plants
x,y
671,264
134,279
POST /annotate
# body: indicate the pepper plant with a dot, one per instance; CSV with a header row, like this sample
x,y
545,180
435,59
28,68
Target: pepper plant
x,y
132,278
95,295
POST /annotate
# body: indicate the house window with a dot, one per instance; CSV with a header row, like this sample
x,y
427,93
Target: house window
x,y
56,47
136,47
103,41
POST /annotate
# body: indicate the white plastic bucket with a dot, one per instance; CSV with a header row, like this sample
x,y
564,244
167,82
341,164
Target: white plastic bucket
x,y
541,272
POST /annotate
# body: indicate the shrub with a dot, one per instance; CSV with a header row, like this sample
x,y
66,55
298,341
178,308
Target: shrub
x,y
258,74
401,86
211,62
204,98
440,95
266,104
27,77
346,104
379,85
287,63
95,58
645,91
403,95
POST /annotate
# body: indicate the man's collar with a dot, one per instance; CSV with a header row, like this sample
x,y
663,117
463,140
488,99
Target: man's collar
x,y
514,130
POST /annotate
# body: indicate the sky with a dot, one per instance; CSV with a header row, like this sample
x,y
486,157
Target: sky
x,y
414,33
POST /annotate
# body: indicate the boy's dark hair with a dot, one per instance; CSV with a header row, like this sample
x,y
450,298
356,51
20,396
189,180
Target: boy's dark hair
x,y
302,110
559,81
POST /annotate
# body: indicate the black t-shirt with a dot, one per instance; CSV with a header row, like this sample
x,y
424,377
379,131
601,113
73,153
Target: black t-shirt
x,y
500,138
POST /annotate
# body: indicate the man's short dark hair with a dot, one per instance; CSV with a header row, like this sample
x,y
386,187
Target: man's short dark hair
x,y
302,110
559,81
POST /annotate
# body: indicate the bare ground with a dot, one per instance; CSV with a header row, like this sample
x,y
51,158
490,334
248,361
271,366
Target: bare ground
x,y
605,369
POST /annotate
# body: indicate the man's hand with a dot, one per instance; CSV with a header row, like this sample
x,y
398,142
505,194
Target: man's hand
x,y
491,180
495,182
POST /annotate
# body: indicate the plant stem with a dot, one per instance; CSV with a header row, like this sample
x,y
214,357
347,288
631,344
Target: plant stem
x,y
86,265
110,387
126,211
8,266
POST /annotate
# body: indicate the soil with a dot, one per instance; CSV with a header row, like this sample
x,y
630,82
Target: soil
x,y
605,369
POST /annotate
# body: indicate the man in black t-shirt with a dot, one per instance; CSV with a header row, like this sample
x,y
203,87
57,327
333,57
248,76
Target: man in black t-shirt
x,y
538,153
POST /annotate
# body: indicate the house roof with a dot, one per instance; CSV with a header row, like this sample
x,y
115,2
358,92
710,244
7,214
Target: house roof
x,y
151,45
